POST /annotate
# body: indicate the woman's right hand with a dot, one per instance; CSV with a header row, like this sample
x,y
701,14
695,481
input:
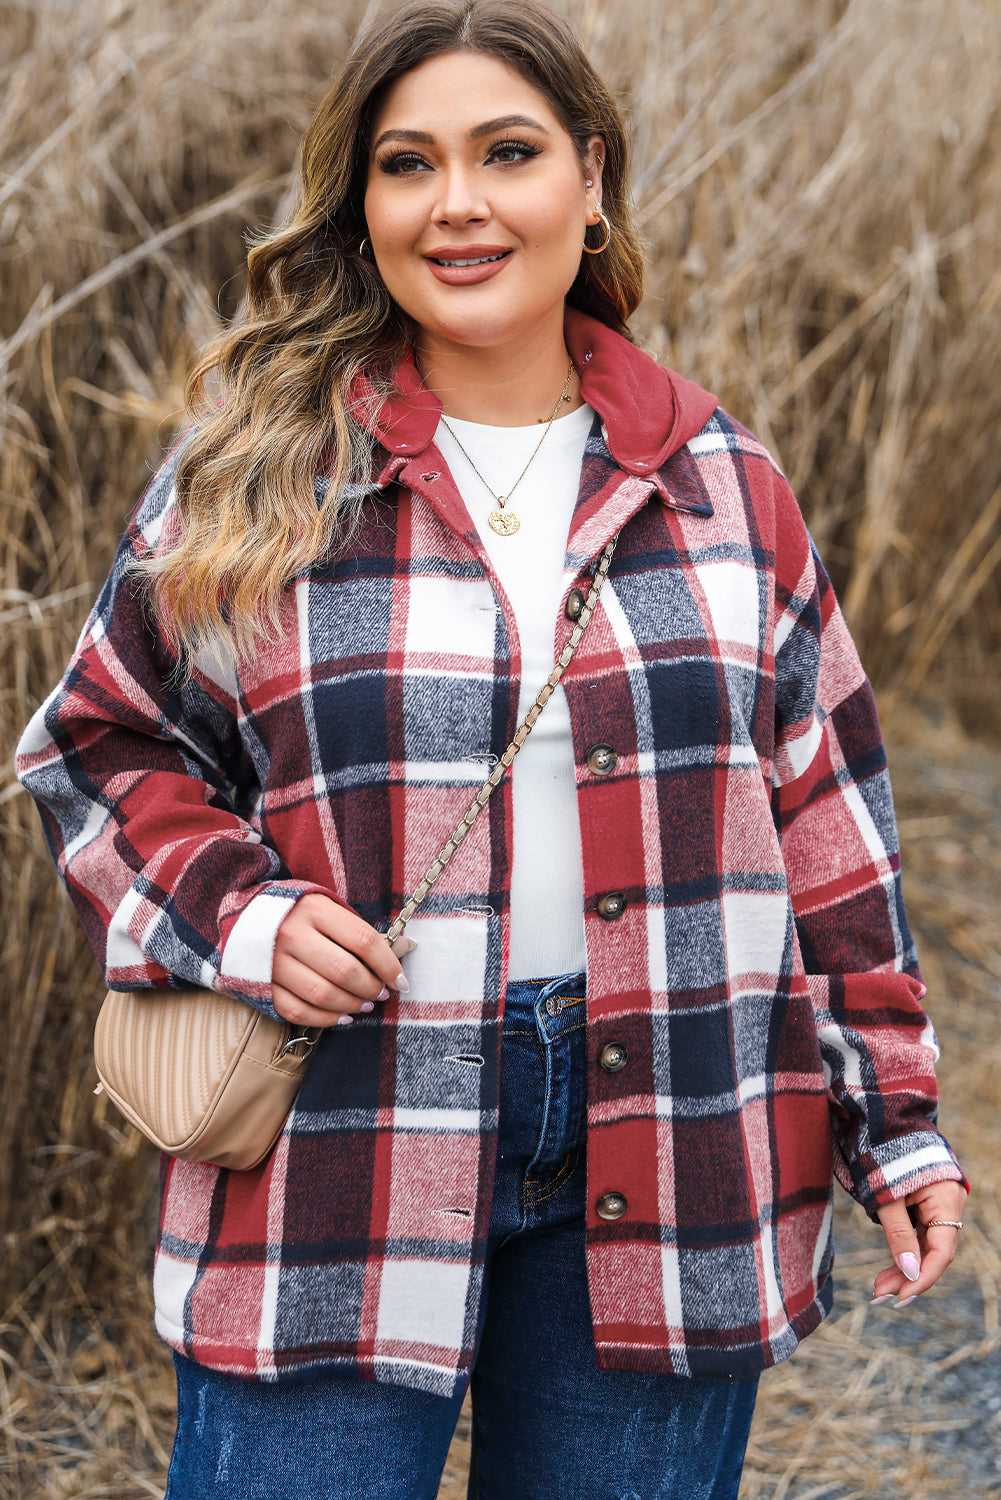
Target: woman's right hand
x,y
329,964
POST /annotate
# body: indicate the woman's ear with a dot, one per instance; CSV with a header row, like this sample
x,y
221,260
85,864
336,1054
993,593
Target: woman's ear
x,y
594,164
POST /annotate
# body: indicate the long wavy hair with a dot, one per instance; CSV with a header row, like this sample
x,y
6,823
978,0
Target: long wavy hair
x,y
270,397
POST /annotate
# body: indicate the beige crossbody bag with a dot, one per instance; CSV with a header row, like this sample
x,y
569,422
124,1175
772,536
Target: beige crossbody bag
x,y
208,1078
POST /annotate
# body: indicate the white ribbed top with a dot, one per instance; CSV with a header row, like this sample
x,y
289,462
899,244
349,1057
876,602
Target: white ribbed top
x,y
547,929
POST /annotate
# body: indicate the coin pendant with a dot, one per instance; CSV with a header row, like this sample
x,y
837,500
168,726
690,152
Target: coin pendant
x,y
504,522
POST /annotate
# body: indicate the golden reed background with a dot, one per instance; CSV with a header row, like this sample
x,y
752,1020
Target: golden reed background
x,y
819,183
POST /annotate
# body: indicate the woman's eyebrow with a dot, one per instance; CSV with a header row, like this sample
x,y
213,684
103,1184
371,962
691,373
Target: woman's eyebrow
x,y
505,122
425,138
412,137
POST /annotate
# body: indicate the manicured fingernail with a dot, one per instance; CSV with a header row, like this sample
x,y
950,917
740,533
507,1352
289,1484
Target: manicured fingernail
x,y
401,983
910,1265
877,1301
403,946
367,1006
383,993
904,1302
344,1020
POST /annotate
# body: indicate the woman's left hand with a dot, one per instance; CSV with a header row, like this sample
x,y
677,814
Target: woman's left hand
x,y
920,1253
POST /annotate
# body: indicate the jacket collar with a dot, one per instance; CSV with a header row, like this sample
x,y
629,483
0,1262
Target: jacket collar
x,y
648,412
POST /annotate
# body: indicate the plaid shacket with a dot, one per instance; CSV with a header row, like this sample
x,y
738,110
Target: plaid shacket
x,y
760,975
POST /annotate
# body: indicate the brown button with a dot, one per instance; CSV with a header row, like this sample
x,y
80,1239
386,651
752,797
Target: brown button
x,y
575,603
611,1205
613,1057
601,759
612,905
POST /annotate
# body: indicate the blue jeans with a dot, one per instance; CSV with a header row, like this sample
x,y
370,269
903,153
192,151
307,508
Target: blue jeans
x,y
546,1421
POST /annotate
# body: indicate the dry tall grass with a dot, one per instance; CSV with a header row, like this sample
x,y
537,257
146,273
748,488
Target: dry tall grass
x,y
820,186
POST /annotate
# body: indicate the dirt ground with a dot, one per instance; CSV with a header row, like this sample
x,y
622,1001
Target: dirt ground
x,y
877,1403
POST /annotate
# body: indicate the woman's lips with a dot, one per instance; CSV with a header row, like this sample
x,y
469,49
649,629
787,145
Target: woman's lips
x,y
467,267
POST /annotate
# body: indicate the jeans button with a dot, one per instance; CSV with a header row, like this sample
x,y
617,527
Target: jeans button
x,y
611,1205
611,905
613,1057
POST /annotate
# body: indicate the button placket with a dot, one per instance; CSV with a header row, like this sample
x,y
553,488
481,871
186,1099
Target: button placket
x,y
611,905
601,759
613,1057
574,605
611,1206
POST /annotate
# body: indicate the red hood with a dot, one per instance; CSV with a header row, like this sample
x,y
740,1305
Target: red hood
x,y
648,411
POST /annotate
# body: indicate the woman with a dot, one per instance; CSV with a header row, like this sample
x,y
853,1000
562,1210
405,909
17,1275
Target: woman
x,y
580,1152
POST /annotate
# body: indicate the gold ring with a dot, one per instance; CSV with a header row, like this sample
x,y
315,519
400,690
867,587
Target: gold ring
x,y
945,1223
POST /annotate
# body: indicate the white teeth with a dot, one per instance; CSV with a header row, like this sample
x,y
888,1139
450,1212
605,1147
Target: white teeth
x,y
484,260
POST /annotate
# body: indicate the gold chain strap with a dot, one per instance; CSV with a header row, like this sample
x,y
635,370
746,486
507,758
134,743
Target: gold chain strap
x,y
441,860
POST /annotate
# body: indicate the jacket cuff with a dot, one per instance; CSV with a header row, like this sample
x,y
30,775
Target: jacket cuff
x,y
898,1168
249,934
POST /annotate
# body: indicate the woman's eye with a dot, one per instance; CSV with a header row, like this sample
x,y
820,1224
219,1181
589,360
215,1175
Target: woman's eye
x,y
402,163
410,163
510,151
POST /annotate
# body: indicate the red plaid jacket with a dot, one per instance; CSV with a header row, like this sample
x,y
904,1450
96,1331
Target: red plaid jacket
x,y
760,974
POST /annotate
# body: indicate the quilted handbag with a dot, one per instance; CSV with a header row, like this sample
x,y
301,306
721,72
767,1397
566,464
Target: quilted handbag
x,y
204,1076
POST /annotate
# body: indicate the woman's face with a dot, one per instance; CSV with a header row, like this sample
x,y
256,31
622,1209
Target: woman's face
x,y
477,202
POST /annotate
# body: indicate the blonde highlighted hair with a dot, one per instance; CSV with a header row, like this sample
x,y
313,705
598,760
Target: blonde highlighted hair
x,y
270,397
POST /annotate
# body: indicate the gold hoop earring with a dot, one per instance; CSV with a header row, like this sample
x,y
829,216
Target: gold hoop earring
x,y
361,247
607,240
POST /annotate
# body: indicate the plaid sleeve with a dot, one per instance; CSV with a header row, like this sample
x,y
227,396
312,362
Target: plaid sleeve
x,y
834,814
146,795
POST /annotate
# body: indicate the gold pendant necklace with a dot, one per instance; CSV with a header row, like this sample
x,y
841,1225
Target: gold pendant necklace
x,y
503,521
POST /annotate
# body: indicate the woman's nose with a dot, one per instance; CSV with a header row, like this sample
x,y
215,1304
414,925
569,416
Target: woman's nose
x,y
460,200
